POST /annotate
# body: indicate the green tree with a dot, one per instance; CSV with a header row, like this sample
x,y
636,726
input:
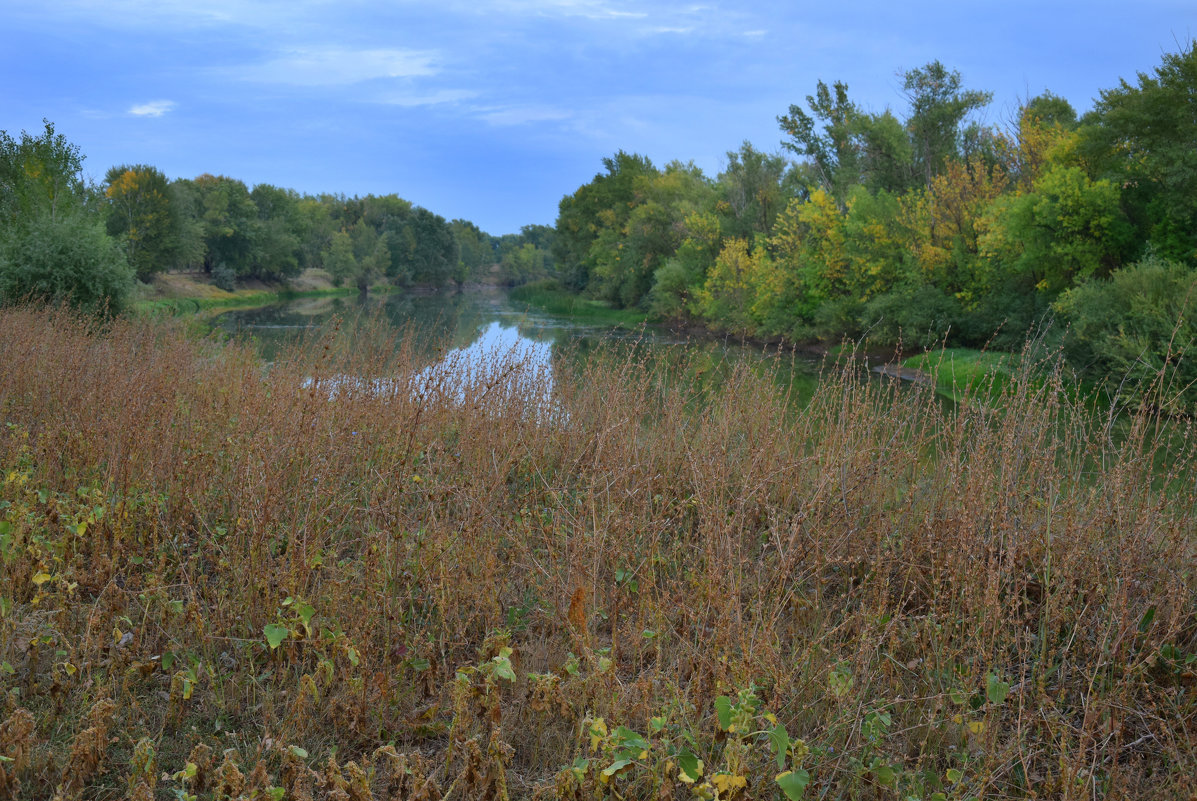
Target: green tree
x,y
39,175
141,215
229,222
1141,136
339,260
834,152
1069,228
475,250
53,246
755,186
938,109
597,209
1138,329
279,233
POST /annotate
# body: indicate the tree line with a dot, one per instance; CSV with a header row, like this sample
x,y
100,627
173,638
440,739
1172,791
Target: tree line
x,y
65,239
924,228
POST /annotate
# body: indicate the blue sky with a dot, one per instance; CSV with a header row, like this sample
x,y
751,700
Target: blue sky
x,y
492,110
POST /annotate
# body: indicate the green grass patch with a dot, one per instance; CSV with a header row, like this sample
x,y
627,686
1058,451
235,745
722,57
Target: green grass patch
x,y
173,307
960,372
549,296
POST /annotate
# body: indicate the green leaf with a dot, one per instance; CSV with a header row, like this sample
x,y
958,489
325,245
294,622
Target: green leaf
x,y
954,775
275,634
996,690
1145,621
690,764
723,710
503,668
419,665
628,737
780,740
793,783
616,767
297,751
884,773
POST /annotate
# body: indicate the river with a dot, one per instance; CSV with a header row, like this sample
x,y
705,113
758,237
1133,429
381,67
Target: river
x,y
469,328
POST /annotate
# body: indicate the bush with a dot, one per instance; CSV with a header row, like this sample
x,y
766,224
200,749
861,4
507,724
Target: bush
x,y
1136,328
919,316
67,260
224,277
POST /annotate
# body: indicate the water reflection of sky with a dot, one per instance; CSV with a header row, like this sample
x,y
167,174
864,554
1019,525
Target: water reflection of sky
x,y
464,334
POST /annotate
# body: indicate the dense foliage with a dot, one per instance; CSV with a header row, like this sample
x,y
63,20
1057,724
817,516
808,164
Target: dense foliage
x,y
925,229
64,240
52,242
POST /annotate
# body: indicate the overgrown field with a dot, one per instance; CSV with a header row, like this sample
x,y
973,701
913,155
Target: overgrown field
x,y
222,581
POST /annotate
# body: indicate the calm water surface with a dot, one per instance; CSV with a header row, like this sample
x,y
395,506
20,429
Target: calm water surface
x,y
469,329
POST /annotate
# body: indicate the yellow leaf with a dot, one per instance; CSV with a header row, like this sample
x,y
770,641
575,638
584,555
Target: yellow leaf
x,y
976,727
598,730
41,578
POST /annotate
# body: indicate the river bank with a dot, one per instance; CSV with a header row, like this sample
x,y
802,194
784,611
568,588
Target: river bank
x,y
954,372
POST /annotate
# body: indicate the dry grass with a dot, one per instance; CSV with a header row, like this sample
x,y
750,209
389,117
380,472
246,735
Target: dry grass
x,y
218,583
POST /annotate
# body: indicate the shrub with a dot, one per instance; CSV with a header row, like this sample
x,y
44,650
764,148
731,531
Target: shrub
x,y
1137,329
920,316
69,259
224,277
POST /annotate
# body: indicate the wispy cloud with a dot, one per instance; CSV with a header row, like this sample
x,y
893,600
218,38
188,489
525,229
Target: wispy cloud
x,y
340,66
588,9
441,97
154,108
520,115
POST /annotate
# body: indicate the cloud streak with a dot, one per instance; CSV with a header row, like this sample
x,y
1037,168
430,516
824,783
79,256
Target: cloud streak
x,y
330,66
154,108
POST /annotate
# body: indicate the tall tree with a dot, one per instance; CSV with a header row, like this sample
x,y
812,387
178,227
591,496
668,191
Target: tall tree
x,y
755,188
834,152
938,109
39,175
1142,137
140,214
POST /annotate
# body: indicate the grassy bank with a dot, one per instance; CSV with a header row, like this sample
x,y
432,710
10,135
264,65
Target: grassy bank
x,y
961,372
216,583
549,296
173,294
237,299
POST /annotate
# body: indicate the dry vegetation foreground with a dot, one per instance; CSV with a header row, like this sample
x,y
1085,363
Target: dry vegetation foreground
x,y
218,583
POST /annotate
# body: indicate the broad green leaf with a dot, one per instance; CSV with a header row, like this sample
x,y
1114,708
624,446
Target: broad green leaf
x,y
616,767
503,668
793,783
996,690
954,775
689,765
723,711
884,773
275,634
780,739
297,751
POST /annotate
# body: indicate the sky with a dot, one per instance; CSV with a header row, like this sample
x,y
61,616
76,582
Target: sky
x,y
493,110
